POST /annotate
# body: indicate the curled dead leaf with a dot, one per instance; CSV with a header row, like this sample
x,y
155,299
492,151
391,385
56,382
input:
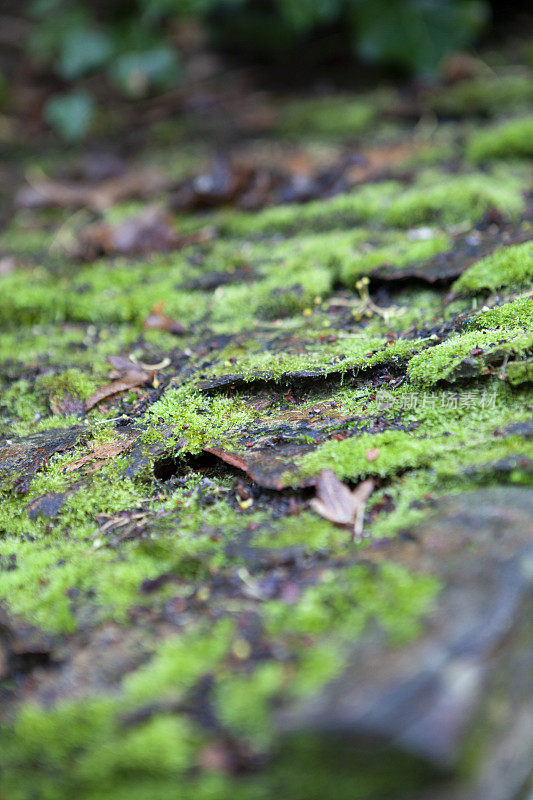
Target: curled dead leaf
x,y
106,193
158,321
337,503
128,375
151,231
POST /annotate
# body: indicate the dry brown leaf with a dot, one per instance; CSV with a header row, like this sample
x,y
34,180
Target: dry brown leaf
x,y
149,232
339,504
158,321
99,197
101,453
128,375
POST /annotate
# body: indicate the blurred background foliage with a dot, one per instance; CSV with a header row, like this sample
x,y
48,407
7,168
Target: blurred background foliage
x,y
132,43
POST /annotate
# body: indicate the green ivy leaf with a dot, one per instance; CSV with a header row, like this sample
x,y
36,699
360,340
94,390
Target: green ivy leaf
x,y
415,34
135,73
70,114
82,51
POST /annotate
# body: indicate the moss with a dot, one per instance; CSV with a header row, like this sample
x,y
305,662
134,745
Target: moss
x,y
305,530
513,139
196,419
518,312
440,362
85,744
398,255
358,207
450,430
351,353
486,95
337,116
397,451
455,199
508,267
252,636
519,372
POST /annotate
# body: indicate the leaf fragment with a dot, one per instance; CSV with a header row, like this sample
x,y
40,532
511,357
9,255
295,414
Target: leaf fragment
x,y
337,503
128,375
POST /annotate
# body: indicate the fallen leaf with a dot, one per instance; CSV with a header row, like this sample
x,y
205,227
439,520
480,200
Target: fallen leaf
x,y
100,454
158,321
99,197
149,232
339,504
372,454
129,376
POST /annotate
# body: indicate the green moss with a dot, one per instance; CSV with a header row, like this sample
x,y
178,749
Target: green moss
x,y
513,139
351,353
398,255
130,737
441,362
508,267
305,530
455,199
450,430
397,451
358,207
519,312
486,95
196,419
337,116
519,372
84,747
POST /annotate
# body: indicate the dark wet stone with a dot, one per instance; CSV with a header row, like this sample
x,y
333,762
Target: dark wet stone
x,y
503,468
464,688
46,505
523,429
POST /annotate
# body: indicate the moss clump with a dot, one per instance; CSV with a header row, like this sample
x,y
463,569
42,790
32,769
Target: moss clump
x,y
87,746
398,255
508,267
519,372
462,198
509,315
486,95
338,116
513,139
357,207
397,451
195,419
481,347
355,353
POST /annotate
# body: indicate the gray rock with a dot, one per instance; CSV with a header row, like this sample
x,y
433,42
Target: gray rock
x,y
449,716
